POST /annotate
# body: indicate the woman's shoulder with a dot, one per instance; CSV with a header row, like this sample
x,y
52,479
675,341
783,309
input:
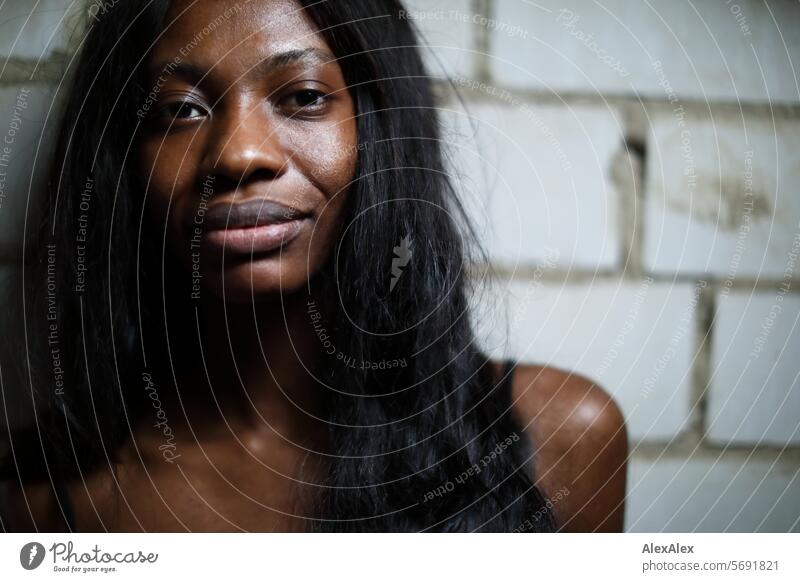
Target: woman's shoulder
x,y
29,507
27,501
564,402
578,433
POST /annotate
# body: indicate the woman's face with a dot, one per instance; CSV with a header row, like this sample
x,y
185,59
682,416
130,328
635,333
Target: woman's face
x,y
249,146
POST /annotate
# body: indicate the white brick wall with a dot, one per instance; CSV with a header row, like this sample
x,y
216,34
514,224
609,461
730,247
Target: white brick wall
x,y
634,339
723,192
755,387
25,143
34,28
568,150
708,492
713,206
447,35
511,157
610,47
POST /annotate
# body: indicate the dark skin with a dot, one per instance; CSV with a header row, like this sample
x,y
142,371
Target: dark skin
x,y
280,129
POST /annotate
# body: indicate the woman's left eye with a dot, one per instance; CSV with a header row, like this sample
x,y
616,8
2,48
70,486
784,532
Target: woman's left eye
x,y
183,110
305,101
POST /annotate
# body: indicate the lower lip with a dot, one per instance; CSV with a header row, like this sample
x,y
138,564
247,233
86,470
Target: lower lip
x,y
256,239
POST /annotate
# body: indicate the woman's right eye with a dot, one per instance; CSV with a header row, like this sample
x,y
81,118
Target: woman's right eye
x,y
181,111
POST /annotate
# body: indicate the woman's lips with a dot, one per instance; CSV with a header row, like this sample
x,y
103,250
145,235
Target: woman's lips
x,y
256,226
254,239
247,214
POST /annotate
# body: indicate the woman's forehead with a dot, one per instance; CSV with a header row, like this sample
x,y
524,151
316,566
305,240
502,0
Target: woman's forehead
x,y
247,31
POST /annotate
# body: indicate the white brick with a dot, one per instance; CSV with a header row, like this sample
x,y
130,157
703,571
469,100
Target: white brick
x,y
32,30
612,46
726,493
703,215
535,180
755,390
25,147
447,35
634,340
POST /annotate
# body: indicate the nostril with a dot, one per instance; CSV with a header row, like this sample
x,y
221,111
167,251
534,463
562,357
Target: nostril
x,y
262,174
225,183
222,183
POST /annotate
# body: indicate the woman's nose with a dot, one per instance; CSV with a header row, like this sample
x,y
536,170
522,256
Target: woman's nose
x,y
244,142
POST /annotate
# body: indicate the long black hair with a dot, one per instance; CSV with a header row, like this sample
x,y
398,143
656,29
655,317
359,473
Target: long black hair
x,y
429,445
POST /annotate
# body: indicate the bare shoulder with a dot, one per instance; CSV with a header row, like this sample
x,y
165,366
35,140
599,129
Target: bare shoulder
x,y
578,434
30,508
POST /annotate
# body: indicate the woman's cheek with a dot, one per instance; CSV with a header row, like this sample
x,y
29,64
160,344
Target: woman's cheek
x,y
163,179
169,164
329,157
166,171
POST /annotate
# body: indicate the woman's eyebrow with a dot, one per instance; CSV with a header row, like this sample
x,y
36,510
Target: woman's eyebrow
x,y
196,73
311,55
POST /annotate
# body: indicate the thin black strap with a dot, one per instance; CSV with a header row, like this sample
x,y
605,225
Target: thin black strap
x,y
62,496
508,373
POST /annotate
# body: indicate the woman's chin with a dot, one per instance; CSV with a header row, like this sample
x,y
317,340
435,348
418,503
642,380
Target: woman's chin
x,y
255,281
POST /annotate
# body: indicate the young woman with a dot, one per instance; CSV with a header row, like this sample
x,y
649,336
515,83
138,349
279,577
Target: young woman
x,y
252,307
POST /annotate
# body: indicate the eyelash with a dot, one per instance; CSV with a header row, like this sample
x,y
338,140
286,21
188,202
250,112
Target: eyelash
x,y
179,106
170,113
321,98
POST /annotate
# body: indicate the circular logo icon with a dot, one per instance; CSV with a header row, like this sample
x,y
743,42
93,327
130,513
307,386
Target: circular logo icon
x,y
31,555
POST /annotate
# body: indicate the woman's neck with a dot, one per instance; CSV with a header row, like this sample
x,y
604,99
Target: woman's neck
x,y
255,371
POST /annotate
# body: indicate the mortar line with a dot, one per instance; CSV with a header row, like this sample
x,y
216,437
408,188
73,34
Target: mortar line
x,y
483,70
681,450
524,273
570,98
701,370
